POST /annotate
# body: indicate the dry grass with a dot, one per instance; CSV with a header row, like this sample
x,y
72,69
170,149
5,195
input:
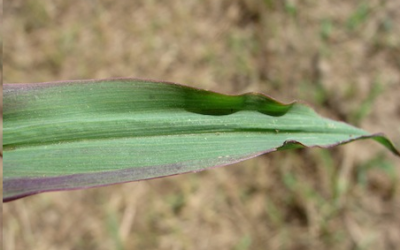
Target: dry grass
x,y
339,56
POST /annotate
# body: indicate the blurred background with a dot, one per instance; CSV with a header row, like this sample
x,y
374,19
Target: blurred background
x,y
342,57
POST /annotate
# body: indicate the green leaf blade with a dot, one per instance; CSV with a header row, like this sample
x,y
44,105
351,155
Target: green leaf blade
x,y
80,134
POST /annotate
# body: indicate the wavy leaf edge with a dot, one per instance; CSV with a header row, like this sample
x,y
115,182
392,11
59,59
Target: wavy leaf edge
x,y
379,137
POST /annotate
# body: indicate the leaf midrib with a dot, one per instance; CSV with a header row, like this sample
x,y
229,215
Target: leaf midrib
x,y
7,147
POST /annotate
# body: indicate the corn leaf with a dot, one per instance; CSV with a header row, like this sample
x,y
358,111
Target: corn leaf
x,y
81,134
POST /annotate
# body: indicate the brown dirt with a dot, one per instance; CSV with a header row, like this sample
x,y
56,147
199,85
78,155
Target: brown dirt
x,y
339,56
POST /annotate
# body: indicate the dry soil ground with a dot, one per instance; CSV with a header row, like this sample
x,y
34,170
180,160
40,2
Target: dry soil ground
x,y
342,57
